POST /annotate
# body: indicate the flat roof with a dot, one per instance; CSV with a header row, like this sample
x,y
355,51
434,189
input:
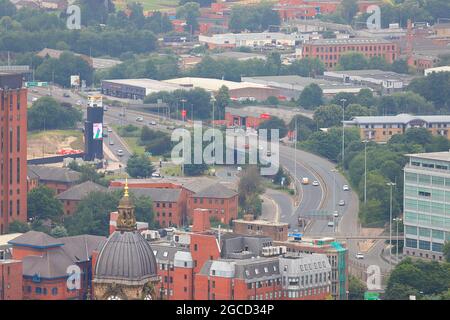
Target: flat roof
x,y
238,55
5,238
348,41
440,156
210,84
400,118
262,222
373,73
151,84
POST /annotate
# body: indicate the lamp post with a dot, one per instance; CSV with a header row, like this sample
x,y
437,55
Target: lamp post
x,y
390,184
365,171
397,220
343,132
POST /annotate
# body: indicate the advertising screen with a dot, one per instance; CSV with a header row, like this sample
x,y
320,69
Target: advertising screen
x,y
97,131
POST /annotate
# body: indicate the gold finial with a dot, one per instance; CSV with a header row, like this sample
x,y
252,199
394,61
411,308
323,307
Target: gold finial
x,y
126,188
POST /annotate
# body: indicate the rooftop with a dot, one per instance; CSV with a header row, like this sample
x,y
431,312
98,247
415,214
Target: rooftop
x,y
262,222
53,173
402,118
216,190
348,41
440,156
80,191
146,83
212,84
374,74
237,55
156,194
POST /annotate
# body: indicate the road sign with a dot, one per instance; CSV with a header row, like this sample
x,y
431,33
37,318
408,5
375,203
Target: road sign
x,y
30,84
371,295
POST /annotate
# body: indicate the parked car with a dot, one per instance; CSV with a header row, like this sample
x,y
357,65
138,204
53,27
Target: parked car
x,y
66,95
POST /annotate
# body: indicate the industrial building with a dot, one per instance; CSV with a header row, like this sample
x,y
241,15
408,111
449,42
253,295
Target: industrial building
x,y
426,204
238,90
136,89
291,86
385,82
329,51
233,40
382,128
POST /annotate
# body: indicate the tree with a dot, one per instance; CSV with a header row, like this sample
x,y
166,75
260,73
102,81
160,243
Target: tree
x,y
139,166
7,9
18,227
249,189
311,96
190,11
306,67
222,101
352,61
274,123
255,18
356,110
59,232
356,288
348,9
95,11
328,116
144,209
435,88
42,204
446,251
47,114
365,98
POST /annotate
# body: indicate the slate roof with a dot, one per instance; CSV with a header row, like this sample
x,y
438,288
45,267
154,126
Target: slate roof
x,y
165,253
46,173
156,194
125,257
216,191
36,239
52,264
80,248
80,191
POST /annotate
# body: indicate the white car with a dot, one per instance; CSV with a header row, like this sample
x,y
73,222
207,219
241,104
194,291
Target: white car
x,y
120,152
109,130
342,203
315,183
345,187
359,255
139,119
335,214
330,224
156,175
34,99
111,142
153,123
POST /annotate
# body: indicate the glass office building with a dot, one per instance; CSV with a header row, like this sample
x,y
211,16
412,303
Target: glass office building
x,y
426,203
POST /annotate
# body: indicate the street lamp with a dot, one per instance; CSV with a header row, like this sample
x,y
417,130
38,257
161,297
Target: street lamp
x,y
334,188
365,171
397,220
390,184
343,132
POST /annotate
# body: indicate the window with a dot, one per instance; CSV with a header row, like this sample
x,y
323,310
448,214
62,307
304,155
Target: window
x,y
54,291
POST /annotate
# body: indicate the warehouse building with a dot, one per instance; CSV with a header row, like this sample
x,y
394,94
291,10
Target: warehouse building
x,y
135,88
238,90
291,86
384,81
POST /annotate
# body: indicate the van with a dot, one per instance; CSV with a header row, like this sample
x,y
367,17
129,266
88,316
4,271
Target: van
x,y
305,181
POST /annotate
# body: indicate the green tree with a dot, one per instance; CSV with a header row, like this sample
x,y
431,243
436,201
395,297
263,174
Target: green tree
x,y
42,204
59,232
348,9
435,88
190,11
254,18
328,116
139,166
249,188
356,288
274,123
18,227
7,9
311,96
306,67
222,101
446,251
352,61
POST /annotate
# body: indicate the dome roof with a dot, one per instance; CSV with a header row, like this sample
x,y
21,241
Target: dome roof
x,y
125,257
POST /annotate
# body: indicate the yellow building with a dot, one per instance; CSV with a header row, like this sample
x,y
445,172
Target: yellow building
x,y
382,128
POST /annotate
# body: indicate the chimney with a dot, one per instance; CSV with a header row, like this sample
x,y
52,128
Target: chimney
x,y
201,220
113,221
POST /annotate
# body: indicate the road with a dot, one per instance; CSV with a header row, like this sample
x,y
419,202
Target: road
x,y
298,162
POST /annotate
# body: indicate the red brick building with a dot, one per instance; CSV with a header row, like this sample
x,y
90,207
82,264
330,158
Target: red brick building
x,y
58,179
47,263
10,279
329,51
242,118
13,151
221,203
278,231
72,196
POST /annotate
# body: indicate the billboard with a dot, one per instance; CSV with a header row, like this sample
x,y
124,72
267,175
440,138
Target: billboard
x,y
97,132
74,81
95,101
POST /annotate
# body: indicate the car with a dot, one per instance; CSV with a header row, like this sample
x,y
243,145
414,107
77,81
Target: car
x,y
269,153
34,99
66,95
170,127
120,152
239,168
111,142
78,103
34,90
305,181
335,214
359,255
315,183
153,123
109,130
330,224
341,203
345,187
156,175
139,119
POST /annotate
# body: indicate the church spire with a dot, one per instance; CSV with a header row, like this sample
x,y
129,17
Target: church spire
x,y
126,220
